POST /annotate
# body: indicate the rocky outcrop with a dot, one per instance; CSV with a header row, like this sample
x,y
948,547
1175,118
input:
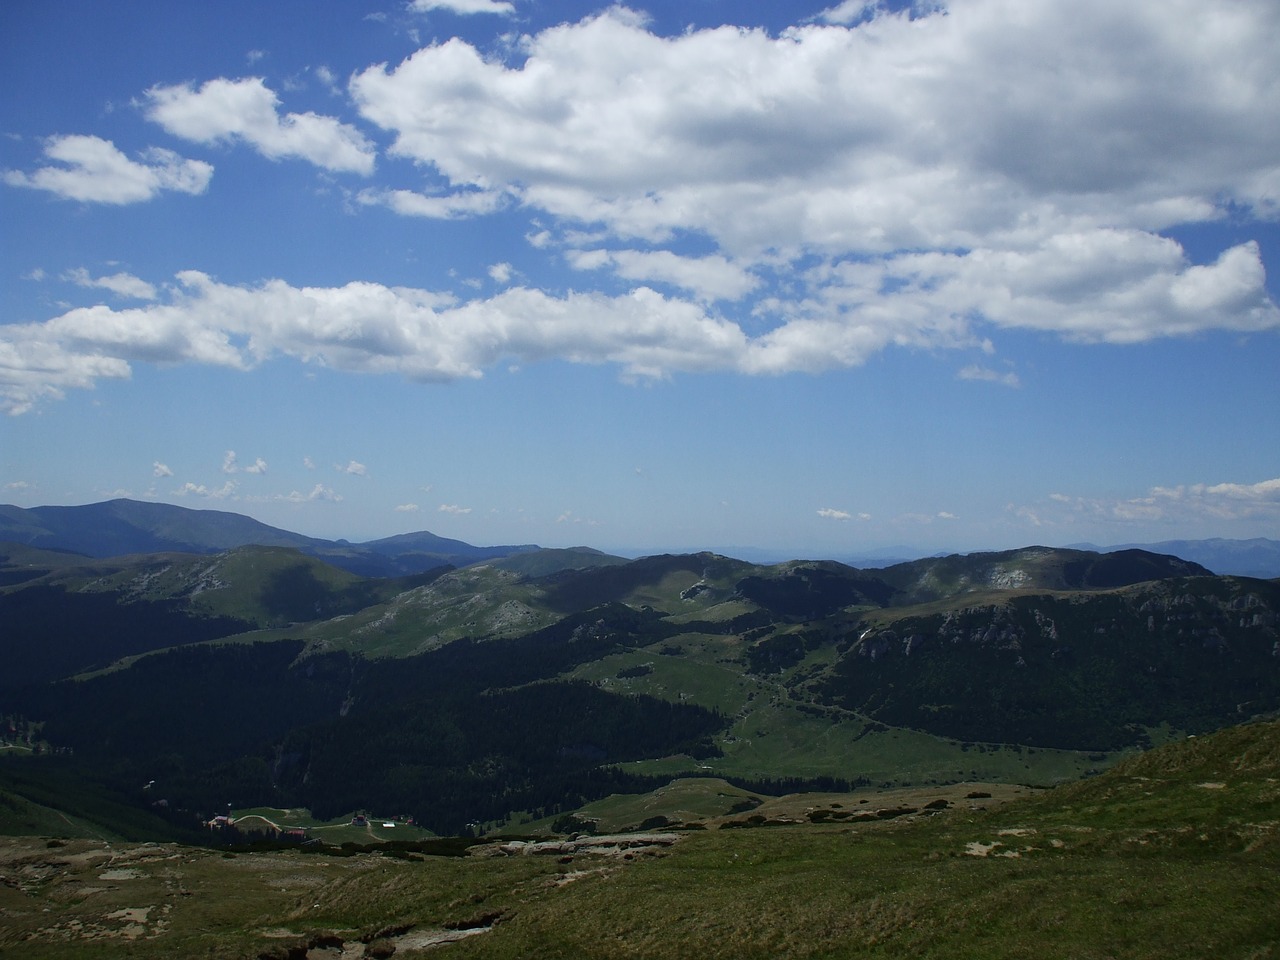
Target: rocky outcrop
x,y
616,845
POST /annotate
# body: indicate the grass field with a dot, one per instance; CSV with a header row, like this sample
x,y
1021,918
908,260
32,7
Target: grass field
x,y
1172,854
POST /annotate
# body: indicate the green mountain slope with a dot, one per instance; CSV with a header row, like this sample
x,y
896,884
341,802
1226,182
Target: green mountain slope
x,y
66,613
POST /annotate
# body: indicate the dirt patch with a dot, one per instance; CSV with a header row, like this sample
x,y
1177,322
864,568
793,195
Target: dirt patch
x,y
976,848
422,939
134,919
125,873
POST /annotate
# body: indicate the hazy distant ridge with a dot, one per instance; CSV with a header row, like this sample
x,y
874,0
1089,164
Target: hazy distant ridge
x,y
118,527
1256,557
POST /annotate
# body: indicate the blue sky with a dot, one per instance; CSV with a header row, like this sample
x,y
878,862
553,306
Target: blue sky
x,y
815,279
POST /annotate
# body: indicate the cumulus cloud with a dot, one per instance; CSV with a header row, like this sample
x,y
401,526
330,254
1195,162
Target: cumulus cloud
x,y
832,514
352,468
453,508
857,309
850,11
122,284
924,129
209,493
94,170
159,469
454,206
318,492
33,369
872,179
920,176
247,110
712,277
230,464
407,508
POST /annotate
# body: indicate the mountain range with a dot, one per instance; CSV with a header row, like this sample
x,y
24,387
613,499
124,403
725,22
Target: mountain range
x,y
119,527
212,658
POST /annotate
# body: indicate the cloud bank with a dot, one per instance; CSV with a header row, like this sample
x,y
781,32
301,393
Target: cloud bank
x,y
432,337
922,179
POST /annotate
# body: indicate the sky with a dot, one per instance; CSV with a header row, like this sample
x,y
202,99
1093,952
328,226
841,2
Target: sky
x,y
808,279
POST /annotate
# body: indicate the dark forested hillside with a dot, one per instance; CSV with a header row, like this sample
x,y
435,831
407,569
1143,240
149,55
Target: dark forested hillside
x,y
1051,670
53,632
255,724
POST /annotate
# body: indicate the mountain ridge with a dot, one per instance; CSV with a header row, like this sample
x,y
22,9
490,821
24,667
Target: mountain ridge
x,y
124,526
120,527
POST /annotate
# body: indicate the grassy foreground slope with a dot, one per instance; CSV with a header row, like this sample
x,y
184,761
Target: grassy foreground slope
x,y
1174,853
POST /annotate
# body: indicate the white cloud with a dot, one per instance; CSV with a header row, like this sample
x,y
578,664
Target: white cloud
x,y
855,310
121,284
93,170
407,508
209,493
925,176
159,469
989,120
352,468
1180,506
33,369
230,464
455,206
248,110
502,7
453,508
318,492
708,278
987,375
308,463
993,163
832,514
329,79
848,12
500,273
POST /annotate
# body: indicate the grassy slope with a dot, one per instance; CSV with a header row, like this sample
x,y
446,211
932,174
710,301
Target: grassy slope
x,y
774,735
1174,854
